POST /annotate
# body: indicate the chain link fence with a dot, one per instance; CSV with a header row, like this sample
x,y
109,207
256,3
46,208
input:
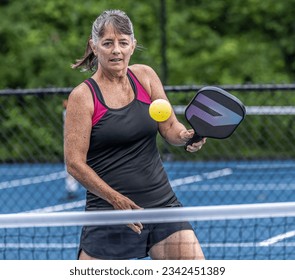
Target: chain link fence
x,y
259,156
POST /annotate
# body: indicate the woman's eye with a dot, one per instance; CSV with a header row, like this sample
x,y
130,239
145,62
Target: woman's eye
x,y
107,44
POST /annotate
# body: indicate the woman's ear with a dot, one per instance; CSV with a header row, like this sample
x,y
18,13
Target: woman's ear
x,y
134,45
93,47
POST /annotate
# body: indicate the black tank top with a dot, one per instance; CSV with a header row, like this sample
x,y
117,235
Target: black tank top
x,y
123,151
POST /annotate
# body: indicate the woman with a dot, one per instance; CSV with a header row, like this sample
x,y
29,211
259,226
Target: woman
x,y
110,148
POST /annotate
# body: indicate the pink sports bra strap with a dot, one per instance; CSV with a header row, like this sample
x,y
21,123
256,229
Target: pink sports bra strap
x,y
99,109
142,94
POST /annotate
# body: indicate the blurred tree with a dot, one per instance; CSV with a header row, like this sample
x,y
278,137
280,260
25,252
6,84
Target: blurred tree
x,y
231,41
208,42
39,45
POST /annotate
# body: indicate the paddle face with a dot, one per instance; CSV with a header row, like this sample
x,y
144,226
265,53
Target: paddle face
x,y
214,113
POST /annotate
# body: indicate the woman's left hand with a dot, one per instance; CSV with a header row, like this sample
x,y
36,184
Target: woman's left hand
x,y
186,135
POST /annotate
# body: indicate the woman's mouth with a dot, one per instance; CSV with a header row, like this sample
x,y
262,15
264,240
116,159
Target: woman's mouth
x,y
115,59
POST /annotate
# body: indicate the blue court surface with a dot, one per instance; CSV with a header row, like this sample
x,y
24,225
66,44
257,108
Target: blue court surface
x,y
41,188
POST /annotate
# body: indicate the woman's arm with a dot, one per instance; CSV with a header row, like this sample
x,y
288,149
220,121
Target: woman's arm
x,y
172,130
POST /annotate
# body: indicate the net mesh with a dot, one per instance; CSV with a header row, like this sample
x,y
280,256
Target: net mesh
x,y
249,231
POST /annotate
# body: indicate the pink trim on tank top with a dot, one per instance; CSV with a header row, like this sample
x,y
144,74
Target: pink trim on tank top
x,y
142,94
99,109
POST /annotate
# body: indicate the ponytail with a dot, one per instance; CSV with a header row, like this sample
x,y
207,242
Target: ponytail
x,y
88,62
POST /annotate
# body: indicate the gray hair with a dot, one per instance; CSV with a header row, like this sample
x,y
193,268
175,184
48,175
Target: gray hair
x,y
116,18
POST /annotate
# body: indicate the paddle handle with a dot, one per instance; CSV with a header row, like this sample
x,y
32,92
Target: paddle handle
x,y
196,138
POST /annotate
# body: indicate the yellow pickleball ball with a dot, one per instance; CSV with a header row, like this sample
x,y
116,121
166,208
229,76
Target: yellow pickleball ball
x,y
160,110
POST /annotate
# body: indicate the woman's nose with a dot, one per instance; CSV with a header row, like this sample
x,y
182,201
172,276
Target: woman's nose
x,y
116,49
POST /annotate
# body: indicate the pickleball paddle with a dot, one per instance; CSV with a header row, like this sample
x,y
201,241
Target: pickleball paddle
x,y
214,113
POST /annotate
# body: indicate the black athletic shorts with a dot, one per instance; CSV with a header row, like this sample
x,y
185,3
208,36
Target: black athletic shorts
x,y
120,242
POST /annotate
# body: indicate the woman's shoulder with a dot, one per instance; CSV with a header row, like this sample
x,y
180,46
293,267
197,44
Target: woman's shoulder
x,y
80,90
81,94
144,73
139,69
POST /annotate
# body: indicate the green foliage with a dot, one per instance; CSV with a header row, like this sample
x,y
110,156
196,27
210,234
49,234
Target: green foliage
x,y
228,42
32,128
208,42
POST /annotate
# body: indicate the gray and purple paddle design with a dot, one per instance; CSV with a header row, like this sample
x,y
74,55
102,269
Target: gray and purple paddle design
x,y
214,113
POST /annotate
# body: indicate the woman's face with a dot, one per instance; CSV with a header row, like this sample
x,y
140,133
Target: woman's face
x,y
114,50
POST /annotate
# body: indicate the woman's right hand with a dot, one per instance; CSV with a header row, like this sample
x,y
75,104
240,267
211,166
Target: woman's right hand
x,y
121,202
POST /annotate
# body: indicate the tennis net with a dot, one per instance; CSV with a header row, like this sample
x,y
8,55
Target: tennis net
x,y
236,232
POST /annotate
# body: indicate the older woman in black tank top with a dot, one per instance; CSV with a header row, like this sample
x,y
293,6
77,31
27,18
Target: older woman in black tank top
x,y
110,148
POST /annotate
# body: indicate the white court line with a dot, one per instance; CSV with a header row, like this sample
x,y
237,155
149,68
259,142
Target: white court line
x,y
198,178
181,184
62,174
33,180
277,238
59,207
174,183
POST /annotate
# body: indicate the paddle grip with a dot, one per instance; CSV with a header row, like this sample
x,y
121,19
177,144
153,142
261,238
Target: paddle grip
x,y
196,138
